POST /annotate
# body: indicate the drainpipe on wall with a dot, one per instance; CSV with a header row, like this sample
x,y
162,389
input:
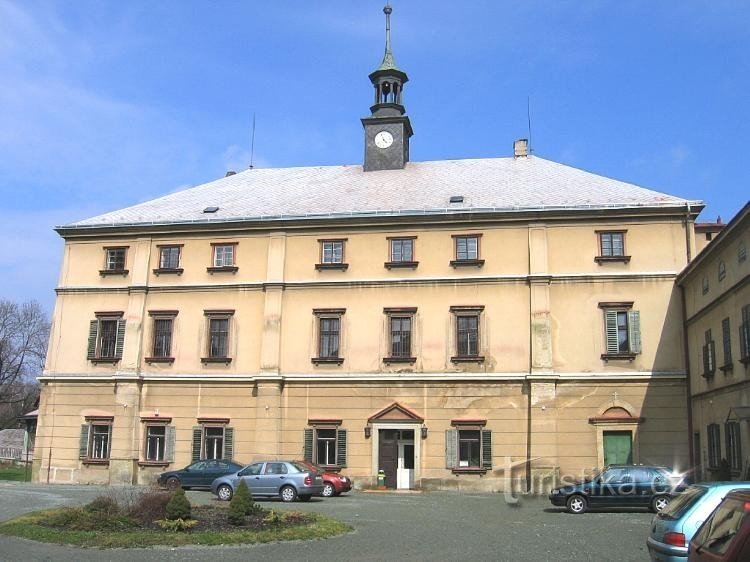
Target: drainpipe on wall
x,y
687,234
691,451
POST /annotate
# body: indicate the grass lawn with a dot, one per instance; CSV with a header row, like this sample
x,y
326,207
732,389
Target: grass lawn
x,y
17,473
35,526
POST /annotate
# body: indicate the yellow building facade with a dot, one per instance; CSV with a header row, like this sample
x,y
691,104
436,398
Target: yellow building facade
x,y
486,324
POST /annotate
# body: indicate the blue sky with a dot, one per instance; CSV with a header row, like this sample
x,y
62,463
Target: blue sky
x,y
106,104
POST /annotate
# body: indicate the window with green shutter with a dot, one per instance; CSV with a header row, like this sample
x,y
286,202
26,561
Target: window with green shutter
x,y
95,440
709,355
106,339
726,344
468,446
622,331
325,444
213,440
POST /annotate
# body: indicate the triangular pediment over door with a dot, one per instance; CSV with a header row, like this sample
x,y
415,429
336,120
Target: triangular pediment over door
x,y
396,413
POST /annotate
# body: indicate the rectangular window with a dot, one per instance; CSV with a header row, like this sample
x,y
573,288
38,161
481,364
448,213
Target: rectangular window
x,y
709,355
612,244
468,343
745,335
162,337
332,251
214,443
714,445
156,440
734,457
330,330
400,336
622,330
468,446
402,250
213,439
467,248
223,255
115,259
218,331
169,257
325,445
106,337
726,340
96,439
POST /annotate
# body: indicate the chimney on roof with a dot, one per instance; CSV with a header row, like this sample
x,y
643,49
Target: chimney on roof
x,y
230,173
521,148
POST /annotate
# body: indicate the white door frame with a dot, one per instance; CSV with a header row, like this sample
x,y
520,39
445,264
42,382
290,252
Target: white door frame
x,y
416,427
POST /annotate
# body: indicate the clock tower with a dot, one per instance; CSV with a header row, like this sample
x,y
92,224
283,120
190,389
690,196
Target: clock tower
x,y
387,129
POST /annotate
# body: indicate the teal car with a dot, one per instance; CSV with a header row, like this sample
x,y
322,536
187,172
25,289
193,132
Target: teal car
x,y
672,528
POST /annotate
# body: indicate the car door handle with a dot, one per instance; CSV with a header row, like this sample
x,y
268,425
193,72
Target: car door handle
x,y
282,477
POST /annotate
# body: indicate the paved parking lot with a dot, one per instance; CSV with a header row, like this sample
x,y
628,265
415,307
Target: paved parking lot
x,y
434,526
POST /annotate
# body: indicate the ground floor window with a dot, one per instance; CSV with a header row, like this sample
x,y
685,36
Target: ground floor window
x,y
158,443
325,445
468,447
734,458
96,439
213,441
713,431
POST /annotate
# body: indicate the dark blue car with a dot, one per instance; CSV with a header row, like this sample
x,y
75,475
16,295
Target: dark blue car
x,y
200,474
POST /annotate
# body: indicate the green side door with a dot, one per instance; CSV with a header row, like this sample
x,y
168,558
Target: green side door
x,y
618,447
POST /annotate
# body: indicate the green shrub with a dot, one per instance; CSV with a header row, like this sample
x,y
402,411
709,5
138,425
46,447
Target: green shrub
x,y
178,507
83,519
177,525
245,498
273,519
104,505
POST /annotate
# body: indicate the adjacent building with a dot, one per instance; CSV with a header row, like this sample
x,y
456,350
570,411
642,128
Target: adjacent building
x,y
716,293
460,324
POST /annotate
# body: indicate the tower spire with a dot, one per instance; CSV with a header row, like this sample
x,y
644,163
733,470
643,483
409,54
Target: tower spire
x,y
389,63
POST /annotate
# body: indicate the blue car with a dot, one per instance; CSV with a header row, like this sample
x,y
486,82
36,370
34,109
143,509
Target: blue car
x,y
287,480
672,528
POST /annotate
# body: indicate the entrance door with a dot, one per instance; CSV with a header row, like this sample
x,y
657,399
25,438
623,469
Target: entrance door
x,y
405,470
618,447
388,455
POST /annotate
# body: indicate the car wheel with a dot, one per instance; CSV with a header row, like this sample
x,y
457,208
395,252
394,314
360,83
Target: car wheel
x,y
328,490
659,503
305,498
577,504
288,494
173,483
225,492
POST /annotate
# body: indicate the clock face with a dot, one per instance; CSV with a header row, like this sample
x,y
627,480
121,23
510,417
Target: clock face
x,y
383,139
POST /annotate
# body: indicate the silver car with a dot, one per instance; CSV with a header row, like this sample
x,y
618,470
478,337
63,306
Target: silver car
x,y
288,480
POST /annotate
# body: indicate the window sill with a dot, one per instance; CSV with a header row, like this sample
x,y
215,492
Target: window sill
x,y
101,462
168,271
212,360
97,360
154,463
107,272
159,359
327,360
618,356
467,359
401,264
388,360
745,360
726,368
331,266
467,263
223,269
606,259
469,470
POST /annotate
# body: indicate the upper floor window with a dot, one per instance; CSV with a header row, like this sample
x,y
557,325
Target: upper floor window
x,y
722,270
328,325
96,440
223,257
106,337
332,254
467,346
741,252
726,341
114,261
709,355
704,286
169,259
161,342
401,253
218,328
611,246
400,335
745,335
622,330
466,250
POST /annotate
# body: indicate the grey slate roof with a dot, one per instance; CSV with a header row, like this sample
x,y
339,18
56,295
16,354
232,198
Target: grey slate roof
x,y
499,185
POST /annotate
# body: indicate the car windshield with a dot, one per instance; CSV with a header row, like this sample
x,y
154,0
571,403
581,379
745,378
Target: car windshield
x,y
302,468
718,531
682,502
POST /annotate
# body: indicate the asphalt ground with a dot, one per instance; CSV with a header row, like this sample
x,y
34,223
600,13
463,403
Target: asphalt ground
x,y
388,526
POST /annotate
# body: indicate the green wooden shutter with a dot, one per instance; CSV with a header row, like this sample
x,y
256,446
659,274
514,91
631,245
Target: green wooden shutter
x,y
83,444
610,319
93,328
487,449
726,340
712,356
197,438
634,331
169,444
308,444
229,443
120,341
706,361
109,440
341,448
451,448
